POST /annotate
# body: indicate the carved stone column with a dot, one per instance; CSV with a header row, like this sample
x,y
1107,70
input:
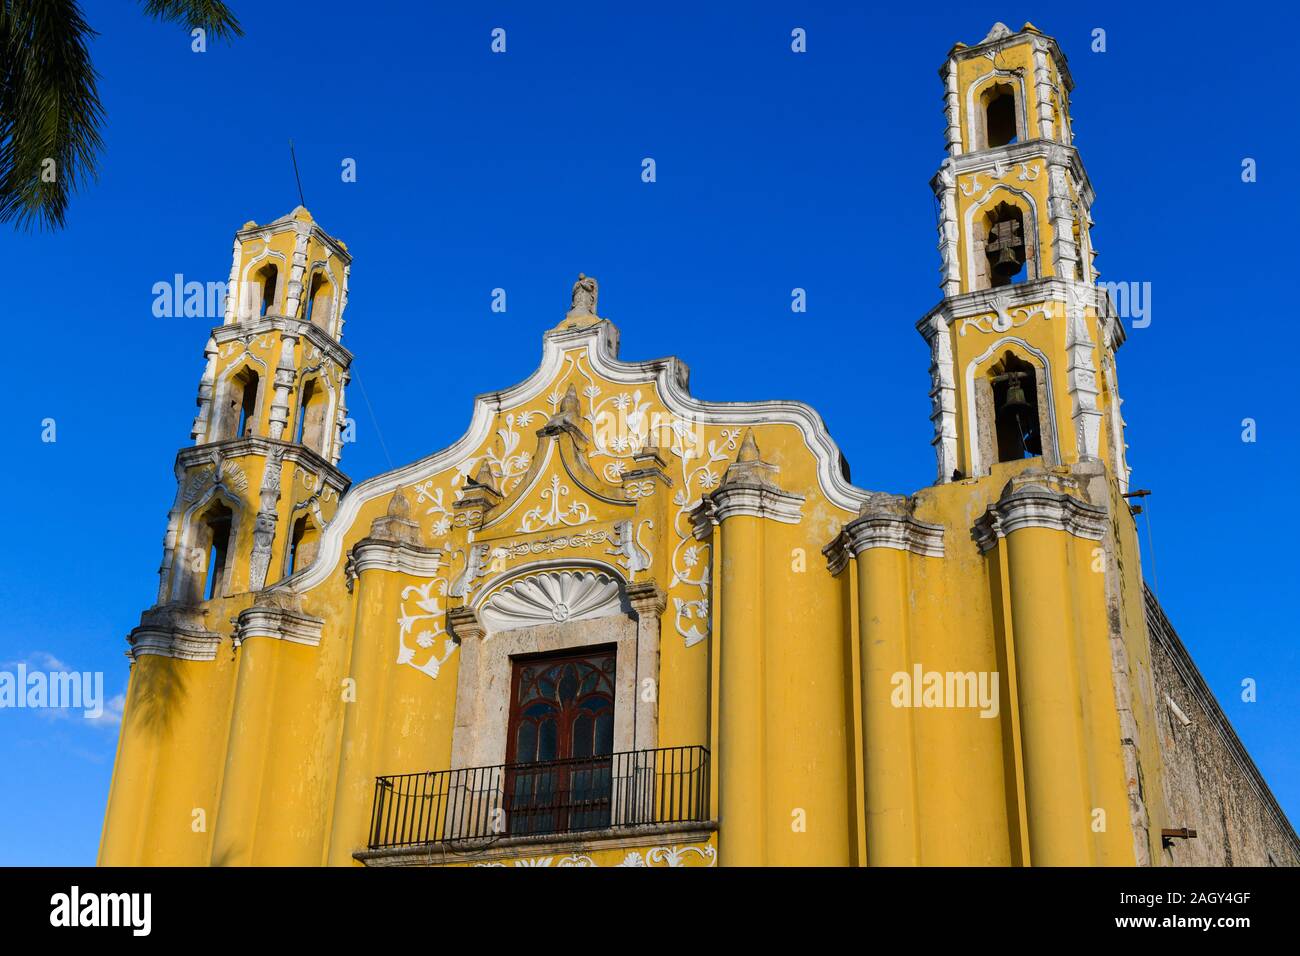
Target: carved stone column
x,y
267,517
648,600
202,429
285,373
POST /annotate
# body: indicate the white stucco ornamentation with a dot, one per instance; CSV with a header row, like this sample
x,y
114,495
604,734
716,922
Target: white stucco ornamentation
x,y
430,615
1081,374
553,513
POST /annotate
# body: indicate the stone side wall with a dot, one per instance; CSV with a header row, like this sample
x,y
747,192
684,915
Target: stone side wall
x,y
1211,784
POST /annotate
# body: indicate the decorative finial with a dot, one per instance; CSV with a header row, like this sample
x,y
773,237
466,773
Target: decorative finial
x,y
585,291
748,448
1000,31
569,405
399,507
484,477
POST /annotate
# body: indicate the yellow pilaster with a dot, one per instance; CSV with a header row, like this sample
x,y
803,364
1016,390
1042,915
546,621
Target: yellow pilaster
x,y
741,801
363,715
892,828
243,779
1056,791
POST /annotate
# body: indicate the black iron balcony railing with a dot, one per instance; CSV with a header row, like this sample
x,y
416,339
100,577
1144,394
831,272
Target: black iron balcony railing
x,y
669,785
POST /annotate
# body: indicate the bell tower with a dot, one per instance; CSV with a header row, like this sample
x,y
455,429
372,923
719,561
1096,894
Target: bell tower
x,y
260,482
1023,342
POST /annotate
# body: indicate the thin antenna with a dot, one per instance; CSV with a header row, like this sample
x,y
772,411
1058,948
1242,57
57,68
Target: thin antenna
x,y
292,155
1151,541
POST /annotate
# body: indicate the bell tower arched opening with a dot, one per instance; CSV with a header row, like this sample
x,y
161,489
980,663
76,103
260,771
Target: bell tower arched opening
x,y
1017,422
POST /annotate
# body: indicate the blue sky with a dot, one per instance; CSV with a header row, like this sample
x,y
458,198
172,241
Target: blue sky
x,y
775,170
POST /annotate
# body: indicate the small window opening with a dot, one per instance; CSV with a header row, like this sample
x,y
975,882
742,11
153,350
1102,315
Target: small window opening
x,y
1000,116
1015,401
1005,246
295,546
217,526
1078,247
247,405
310,428
318,302
268,277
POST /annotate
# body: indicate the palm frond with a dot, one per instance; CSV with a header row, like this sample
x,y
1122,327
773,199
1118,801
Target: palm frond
x,y
49,109
212,15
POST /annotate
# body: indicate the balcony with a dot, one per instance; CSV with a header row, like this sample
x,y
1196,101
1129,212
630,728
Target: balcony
x,y
638,788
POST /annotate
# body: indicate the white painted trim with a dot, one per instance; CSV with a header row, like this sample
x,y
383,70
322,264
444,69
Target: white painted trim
x,y
1035,264
236,505
279,624
1022,111
972,421
376,554
1036,506
599,343
281,283
221,393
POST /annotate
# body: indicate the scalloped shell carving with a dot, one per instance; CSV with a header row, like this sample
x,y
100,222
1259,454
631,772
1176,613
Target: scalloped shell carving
x,y
552,597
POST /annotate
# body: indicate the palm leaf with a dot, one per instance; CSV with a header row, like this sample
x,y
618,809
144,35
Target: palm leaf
x,y
51,116
212,15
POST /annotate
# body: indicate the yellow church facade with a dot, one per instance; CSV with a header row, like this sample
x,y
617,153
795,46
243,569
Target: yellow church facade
x,y
614,624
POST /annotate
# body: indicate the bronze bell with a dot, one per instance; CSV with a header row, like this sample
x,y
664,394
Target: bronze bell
x,y
1006,250
1015,394
1017,422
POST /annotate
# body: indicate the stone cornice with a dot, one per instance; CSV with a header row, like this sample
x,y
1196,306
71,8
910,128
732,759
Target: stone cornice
x,y
647,598
1039,41
1012,155
886,522
279,623
289,223
984,301
462,623
1038,499
262,446
380,554
173,630
753,500
240,331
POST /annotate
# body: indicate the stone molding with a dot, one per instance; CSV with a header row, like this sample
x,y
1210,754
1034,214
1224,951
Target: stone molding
x,y
173,630
1039,499
229,448
379,554
1036,292
647,599
279,619
755,501
748,488
297,328
886,522
480,726
995,39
